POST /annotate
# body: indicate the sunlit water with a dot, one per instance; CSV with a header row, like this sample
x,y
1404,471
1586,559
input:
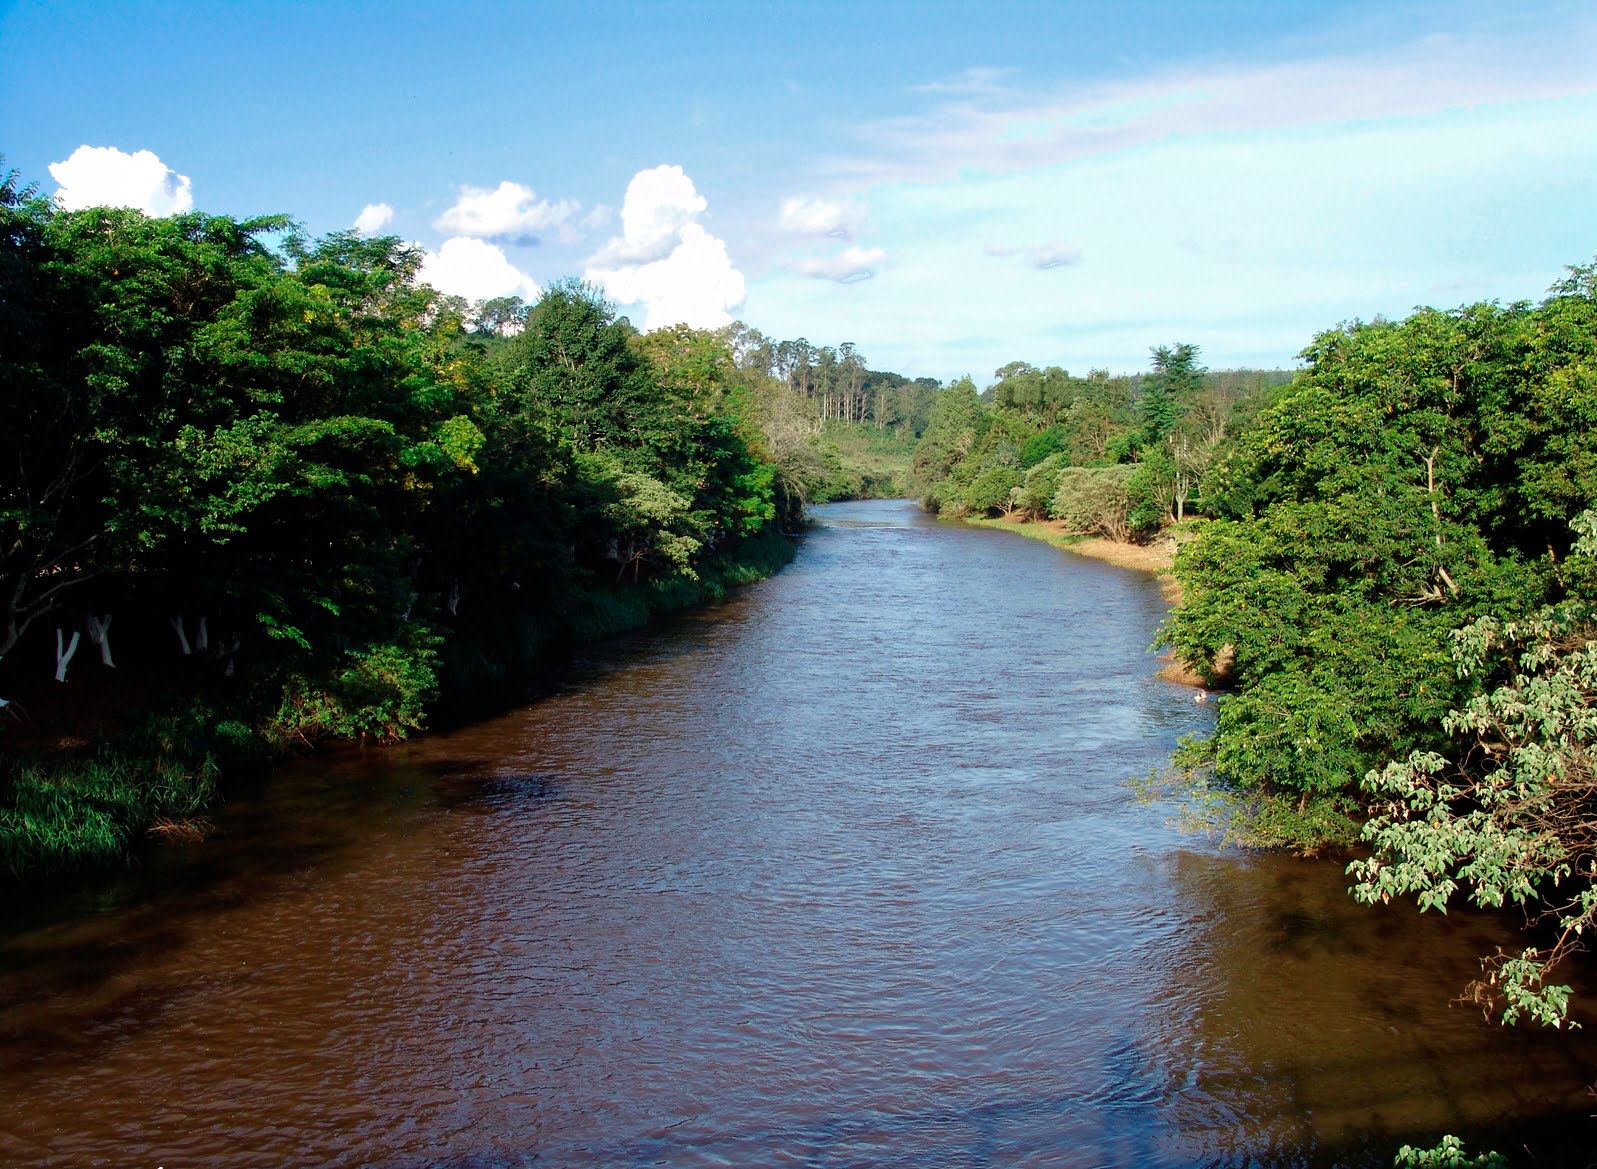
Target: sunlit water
x,y
841,872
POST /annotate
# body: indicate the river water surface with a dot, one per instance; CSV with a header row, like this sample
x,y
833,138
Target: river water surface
x,y
840,872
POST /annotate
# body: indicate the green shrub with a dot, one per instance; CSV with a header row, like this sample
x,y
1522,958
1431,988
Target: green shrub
x,y
1037,490
379,692
1095,501
992,490
1448,1154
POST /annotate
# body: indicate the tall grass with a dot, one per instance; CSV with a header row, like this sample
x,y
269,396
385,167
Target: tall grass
x,y
86,811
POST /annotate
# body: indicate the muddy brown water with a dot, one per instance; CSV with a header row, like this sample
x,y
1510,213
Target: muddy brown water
x,y
840,872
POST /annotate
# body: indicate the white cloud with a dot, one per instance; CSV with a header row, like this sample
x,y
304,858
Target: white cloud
x,y
846,267
828,217
659,203
1043,257
666,261
373,218
982,127
510,213
975,80
476,270
102,176
599,215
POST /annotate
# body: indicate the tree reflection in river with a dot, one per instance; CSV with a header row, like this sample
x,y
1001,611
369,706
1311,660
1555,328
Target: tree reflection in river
x,y
842,872
1292,992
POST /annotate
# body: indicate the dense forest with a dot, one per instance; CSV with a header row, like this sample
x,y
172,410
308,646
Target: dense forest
x,y
1117,456
258,490
1388,564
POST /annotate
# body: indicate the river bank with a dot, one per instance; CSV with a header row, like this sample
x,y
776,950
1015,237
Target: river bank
x,y
114,761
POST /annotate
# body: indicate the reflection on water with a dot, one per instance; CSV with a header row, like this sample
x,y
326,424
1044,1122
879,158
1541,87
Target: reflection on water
x,y
841,872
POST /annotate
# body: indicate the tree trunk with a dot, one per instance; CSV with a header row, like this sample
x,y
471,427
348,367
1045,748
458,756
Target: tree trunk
x,y
182,638
63,656
100,634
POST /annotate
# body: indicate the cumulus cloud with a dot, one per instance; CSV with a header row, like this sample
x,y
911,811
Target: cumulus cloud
x,y
103,176
665,260
509,213
476,270
659,203
1043,256
373,218
828,217
846,267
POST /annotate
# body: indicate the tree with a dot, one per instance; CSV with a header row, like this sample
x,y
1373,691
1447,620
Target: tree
x,y
1512,817
574,358
500,316
956,426
113,436
1394,492
1164,394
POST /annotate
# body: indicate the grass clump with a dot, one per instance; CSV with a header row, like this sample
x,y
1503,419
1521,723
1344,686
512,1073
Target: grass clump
x,y
76,812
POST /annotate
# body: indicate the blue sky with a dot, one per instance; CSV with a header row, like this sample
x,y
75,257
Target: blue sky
x,y
951,187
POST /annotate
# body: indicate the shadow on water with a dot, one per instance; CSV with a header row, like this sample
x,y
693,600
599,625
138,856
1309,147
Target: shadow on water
x,y
840,872
73,947
1058,1132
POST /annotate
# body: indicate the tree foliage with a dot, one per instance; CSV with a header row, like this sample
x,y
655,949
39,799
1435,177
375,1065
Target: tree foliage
x,y
1511,817
319,493
1404,486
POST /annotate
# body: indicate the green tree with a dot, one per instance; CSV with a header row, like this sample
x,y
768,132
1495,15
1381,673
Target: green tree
x,y
1379,503
1510,818
955,429
1164,394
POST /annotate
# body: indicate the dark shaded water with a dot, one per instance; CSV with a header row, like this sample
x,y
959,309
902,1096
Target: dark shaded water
x,y
839,873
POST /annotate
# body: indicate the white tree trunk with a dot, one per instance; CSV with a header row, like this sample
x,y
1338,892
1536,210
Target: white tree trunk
x,y
64,655
202,639
100,634
182,638
454,597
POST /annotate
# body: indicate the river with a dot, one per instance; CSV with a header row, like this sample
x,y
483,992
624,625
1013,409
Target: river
x,y
840,872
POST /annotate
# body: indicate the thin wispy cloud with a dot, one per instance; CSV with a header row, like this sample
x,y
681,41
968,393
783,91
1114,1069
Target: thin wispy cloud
x,y
1005,129
848,266
976,80
1043,257
1238,207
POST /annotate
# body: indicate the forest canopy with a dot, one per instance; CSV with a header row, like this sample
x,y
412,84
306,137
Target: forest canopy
x,y
274,488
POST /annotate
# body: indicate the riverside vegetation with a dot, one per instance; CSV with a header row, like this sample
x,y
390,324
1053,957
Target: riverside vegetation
x,y
276,491
1388,562
318,499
